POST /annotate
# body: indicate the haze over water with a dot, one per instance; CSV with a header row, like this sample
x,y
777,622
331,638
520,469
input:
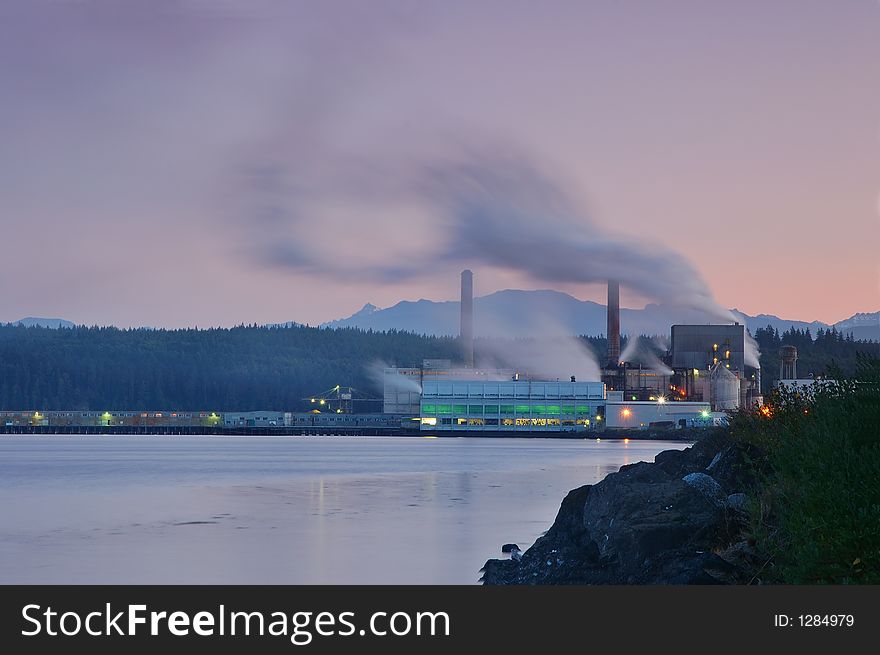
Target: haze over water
x,y
285,510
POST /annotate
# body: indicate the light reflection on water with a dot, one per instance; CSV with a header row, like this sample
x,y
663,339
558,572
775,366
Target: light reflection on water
x,y
283,510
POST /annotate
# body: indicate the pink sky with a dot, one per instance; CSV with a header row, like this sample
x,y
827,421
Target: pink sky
x,y
154,153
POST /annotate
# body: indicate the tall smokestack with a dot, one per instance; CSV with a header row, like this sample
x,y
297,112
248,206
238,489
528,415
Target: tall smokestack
x,y
467,317
613,331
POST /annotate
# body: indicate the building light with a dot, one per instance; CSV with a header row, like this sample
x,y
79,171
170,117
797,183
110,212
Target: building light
x,y
661,399
429,420
626,412
705,413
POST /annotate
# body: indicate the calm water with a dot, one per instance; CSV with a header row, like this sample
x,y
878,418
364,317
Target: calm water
x,y
297,510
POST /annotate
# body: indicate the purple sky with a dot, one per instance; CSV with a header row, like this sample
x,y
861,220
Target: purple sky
x,y
196,162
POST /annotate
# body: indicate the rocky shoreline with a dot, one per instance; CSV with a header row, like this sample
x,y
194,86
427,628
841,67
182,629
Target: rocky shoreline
x,y
678,520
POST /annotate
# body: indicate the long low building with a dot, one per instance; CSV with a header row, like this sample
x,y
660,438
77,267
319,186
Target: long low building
x,y
642,414
145,420
510,406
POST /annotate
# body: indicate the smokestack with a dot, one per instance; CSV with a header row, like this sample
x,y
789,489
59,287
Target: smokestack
x,y
613,331
467,317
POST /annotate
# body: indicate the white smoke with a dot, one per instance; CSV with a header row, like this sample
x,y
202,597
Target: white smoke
x,y
549,358
641,351
752,354
384,379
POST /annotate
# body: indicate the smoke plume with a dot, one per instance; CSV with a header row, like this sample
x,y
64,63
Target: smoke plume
x,y
643,351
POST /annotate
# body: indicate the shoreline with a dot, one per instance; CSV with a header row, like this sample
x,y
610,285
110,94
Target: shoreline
x,y
683,435
677,520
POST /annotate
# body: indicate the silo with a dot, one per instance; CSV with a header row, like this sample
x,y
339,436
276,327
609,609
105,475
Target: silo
x,y
724,389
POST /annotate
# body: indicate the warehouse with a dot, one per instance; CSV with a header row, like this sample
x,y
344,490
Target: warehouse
x,y
510,406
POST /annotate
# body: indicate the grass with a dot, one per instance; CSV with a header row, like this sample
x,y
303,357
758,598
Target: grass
x,y
815,518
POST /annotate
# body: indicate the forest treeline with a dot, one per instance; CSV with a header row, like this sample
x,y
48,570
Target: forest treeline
x,y
254,367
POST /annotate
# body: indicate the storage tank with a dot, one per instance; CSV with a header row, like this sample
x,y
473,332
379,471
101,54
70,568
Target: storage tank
x,y
724,389
787,363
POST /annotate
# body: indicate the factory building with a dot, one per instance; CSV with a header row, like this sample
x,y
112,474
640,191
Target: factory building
x,y
708,363
624,413
262,419
700,377
510,406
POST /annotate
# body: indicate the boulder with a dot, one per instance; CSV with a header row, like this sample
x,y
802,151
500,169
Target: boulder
x,y
649,523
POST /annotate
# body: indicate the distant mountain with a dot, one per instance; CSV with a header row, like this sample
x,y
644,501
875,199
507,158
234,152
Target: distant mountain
x,y
862,326
51,323
519,313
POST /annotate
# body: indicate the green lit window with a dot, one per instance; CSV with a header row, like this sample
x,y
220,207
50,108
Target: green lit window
x,y
507,409
444,409
553,409
522,409
459,409
568,409
429,409
475,409
583,409
491,409
540,410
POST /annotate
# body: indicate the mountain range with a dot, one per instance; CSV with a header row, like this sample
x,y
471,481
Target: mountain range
x,y
517,313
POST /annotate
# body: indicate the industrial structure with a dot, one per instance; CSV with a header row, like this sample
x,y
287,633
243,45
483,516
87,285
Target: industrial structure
x,y
701,376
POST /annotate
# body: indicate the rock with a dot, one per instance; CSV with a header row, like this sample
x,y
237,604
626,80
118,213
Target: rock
x,y
736,467
707,486
509,548
650,523
738,502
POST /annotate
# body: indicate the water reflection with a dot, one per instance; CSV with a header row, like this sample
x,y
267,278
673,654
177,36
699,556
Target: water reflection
x,y
282,511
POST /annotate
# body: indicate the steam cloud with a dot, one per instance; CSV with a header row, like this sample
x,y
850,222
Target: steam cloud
x,y
376,372
641,351
558,357
492,209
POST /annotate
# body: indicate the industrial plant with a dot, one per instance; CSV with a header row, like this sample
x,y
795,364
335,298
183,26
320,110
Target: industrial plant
x,y
702,375
697,380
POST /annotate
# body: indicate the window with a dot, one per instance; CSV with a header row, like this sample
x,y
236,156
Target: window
x,y
445,421
539,409
461,421
507,409
507,421
553,409
475,421
522,409
490,409
568,409
459,409
583,409
475,409
492,421
429,408
444,409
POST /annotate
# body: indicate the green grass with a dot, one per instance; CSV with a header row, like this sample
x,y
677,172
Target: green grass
x,y
816,516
